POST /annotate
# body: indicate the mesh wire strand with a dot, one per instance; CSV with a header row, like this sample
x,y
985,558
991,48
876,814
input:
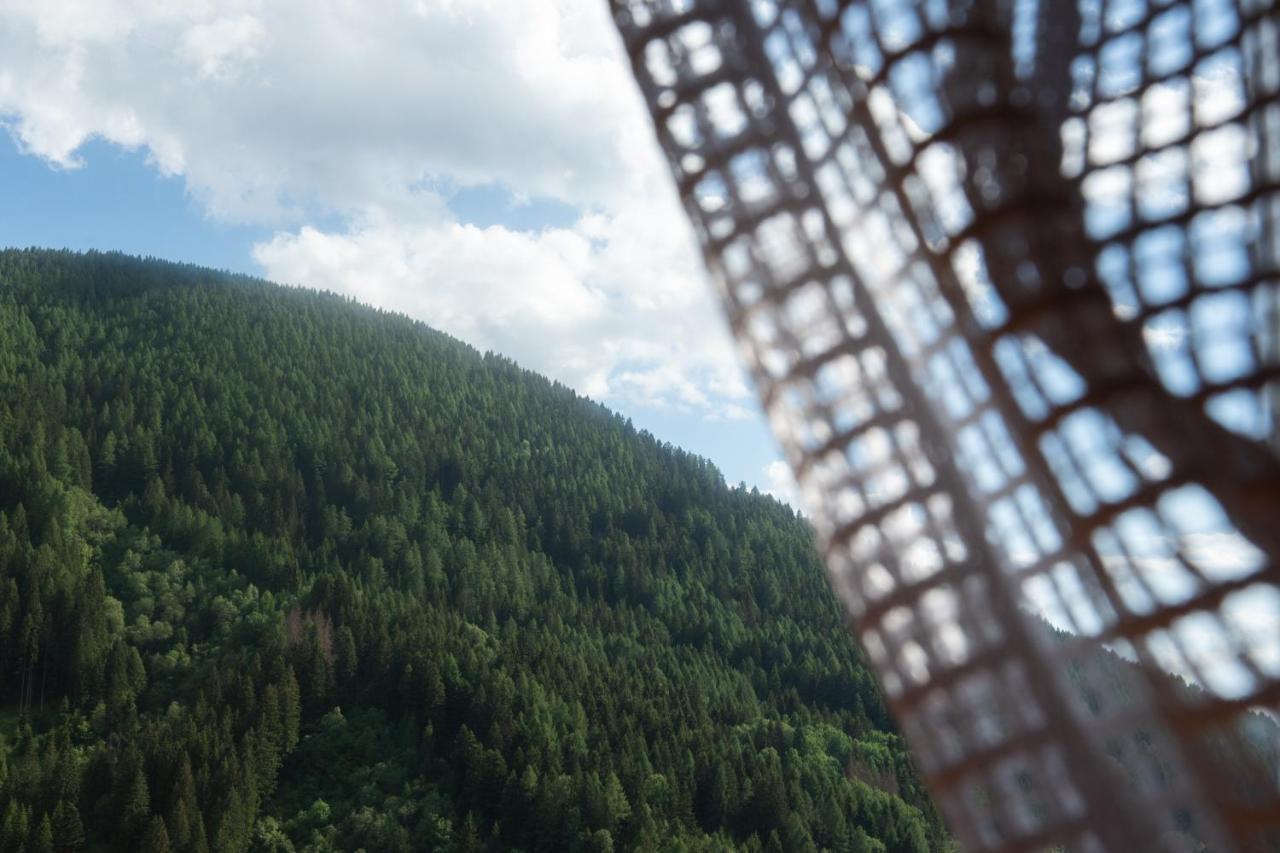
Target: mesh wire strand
x,y
1005,274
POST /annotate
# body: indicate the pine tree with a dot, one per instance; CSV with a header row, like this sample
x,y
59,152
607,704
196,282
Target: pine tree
x,y
182,805
469,838
156,838
64,778
15,825
290,709
41,840
345,663
199,840
178,824
135,811
68,830
616,803
232,833
722,797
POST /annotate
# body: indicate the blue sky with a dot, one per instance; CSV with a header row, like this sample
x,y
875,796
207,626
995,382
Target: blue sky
x,y
492,177
114,202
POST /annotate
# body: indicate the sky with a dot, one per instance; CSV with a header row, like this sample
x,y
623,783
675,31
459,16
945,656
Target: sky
x,y
483,166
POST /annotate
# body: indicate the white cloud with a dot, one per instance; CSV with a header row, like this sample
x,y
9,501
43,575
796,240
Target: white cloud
x,y
358,115
600,305
780,483
266,108
223,46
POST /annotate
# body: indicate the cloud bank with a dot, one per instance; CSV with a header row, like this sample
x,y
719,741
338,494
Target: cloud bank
x,y
344,127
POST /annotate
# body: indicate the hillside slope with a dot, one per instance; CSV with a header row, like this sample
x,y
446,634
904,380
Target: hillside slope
x,y
278,571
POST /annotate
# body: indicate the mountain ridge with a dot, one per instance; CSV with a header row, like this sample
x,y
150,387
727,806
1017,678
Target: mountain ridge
x,y
288,572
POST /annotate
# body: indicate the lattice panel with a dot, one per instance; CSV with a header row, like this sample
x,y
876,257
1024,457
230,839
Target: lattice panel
x,y
1005,274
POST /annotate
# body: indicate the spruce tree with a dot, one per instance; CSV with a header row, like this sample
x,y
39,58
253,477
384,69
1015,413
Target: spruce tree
x,y
68,830
41,840
156,838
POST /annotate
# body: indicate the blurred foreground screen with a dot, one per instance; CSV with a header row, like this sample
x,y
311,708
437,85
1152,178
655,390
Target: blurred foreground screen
x,y
1005,274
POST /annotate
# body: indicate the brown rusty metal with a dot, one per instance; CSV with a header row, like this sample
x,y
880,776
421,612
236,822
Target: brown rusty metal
x,y
1005,275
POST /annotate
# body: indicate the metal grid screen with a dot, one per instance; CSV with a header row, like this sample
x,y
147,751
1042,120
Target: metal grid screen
x,y
1005,273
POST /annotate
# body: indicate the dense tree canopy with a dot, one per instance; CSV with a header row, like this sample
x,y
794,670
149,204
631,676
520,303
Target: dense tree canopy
x,y
281,572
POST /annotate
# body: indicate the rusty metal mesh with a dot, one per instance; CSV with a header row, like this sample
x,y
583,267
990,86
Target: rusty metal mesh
x,y
1005,273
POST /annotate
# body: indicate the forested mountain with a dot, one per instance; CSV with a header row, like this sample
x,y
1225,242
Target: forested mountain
x,y
282,572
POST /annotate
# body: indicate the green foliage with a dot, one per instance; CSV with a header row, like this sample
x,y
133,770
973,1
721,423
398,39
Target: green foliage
x,y
279,572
